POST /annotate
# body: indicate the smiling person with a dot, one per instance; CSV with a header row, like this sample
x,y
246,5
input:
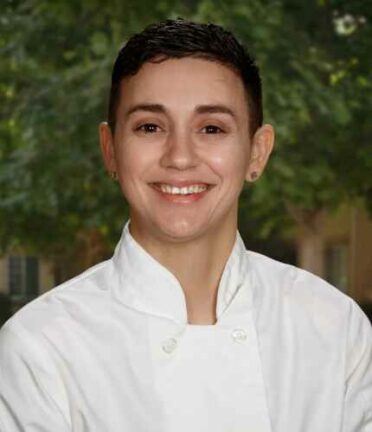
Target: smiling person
x,y
183,329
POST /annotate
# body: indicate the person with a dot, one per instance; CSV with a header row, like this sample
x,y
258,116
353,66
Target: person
x,y
183,329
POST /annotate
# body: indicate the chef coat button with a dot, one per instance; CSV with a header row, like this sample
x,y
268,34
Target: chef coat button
x,y
239,335
169,345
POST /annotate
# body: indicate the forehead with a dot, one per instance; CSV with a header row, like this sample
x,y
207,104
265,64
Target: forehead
x,y
182,84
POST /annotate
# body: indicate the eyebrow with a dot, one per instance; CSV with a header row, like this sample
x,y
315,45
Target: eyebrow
x,y
200,109
211,109
155,108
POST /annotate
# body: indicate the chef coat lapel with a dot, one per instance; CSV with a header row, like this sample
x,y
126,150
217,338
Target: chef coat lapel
x,y
146,285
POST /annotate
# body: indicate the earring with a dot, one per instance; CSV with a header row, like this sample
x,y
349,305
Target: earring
x,y
254,175
113,175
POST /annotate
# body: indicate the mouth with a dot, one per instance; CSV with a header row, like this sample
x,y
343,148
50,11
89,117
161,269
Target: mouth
x,y
182,193
184,190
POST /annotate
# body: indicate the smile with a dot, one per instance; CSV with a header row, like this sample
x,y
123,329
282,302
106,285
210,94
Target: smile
x,y
185,190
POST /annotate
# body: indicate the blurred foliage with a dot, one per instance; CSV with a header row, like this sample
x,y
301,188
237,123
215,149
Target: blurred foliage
x,y
56,62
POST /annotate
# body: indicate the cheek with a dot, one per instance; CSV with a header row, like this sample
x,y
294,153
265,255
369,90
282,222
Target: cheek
x,y
231,164
134,160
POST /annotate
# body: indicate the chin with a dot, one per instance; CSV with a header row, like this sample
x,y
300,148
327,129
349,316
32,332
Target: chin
x,y
179,231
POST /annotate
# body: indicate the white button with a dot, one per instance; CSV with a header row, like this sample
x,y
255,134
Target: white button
x,y
239,335
169,345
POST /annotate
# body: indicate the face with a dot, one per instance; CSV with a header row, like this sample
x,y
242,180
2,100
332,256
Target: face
x,y
182,148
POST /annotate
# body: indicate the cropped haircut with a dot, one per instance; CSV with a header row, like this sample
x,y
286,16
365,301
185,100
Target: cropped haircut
x,y
180,38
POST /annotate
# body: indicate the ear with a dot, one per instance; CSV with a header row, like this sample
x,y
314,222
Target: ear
x,y
107,147
261,148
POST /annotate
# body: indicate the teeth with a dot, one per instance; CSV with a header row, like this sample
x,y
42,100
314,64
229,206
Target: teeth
x,y
183,190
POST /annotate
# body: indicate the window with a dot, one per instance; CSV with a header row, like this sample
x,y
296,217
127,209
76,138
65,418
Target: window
x,y
337,265
23,276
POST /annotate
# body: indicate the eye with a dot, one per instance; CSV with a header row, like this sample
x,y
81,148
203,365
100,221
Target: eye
x,y
211,129
148,128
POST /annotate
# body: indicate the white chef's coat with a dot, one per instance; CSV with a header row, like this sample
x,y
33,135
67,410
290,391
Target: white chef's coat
x,y
111,351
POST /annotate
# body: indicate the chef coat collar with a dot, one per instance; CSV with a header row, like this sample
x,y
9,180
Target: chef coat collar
x,y
146,285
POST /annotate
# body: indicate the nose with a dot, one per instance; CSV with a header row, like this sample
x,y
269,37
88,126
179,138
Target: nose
x,y
179,152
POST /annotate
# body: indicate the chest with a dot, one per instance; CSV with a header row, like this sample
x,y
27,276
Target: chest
x,y
153,375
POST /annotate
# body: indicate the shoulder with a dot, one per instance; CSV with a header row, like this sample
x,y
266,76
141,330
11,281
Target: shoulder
x,y
303,306
59,305
300,292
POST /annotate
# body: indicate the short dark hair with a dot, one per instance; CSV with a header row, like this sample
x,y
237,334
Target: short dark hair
x,y
182,38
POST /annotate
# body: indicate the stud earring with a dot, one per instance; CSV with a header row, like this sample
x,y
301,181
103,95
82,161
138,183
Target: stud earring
x,y
254,175
113,175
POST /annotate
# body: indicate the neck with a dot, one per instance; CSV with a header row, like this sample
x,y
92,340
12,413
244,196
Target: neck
x,y
198,265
